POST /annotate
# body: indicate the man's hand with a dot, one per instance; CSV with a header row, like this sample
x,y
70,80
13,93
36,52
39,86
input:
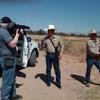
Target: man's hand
x,y
15,39
60,56
19,31
97,56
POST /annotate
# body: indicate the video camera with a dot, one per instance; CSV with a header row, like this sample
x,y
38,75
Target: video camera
x,y
12,27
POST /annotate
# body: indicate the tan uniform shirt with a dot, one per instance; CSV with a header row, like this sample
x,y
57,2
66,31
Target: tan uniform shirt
x,y
47,44
93,47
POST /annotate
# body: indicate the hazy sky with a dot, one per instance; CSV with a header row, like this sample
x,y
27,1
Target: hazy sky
x,y
67,15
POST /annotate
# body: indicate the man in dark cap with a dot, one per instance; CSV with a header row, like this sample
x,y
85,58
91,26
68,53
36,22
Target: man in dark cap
x,y
5,20
8,60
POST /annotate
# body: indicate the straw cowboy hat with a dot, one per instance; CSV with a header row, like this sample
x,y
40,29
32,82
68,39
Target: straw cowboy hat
x,y
92,32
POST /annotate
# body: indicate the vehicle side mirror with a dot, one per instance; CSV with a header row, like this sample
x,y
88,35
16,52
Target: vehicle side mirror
x,y
29,39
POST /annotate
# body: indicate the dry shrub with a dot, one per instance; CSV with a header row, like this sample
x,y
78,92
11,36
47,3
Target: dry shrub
x,y
75,50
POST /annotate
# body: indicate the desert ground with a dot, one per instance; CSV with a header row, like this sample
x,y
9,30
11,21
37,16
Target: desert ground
x,y
31,81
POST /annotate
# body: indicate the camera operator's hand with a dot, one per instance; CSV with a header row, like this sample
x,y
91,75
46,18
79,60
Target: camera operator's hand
x,y
14,42
20,31
17,33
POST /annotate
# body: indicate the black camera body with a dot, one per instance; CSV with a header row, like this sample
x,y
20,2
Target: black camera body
x,y
12,27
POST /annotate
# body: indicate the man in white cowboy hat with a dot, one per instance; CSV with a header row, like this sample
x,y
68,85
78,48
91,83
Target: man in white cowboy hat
x,y
93,55
54,49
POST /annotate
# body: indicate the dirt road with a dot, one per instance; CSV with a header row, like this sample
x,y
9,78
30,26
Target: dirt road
x,y
32,86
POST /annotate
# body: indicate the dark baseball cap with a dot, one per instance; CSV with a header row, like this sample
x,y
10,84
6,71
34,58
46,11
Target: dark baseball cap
x,y
5,20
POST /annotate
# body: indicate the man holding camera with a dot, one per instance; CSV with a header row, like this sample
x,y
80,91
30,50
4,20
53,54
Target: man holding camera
x,y
93,55
54,49
8,60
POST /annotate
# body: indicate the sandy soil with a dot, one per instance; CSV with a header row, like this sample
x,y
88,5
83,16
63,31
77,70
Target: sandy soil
x,y
32,86
31,81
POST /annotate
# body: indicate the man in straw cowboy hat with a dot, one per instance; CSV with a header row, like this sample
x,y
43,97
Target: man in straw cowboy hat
x,y
93,55
54,50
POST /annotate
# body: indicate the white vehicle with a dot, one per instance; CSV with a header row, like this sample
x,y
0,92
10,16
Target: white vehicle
x,y
28,51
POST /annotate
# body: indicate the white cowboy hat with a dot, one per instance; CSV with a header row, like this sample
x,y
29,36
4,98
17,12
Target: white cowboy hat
x,y
92,31
51,27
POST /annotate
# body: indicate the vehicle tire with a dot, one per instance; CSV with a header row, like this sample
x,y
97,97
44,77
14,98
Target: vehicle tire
x,y
32,60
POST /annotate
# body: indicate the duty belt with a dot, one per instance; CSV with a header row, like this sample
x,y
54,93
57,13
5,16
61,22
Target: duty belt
x,y
50,52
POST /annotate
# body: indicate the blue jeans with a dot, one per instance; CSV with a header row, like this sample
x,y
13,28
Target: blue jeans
x,y
51,59
8,89
90,63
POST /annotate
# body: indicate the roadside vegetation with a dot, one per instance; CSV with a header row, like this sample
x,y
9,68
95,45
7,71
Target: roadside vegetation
x,y
92,94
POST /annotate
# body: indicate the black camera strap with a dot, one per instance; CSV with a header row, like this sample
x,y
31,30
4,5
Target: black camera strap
x,y
52,43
